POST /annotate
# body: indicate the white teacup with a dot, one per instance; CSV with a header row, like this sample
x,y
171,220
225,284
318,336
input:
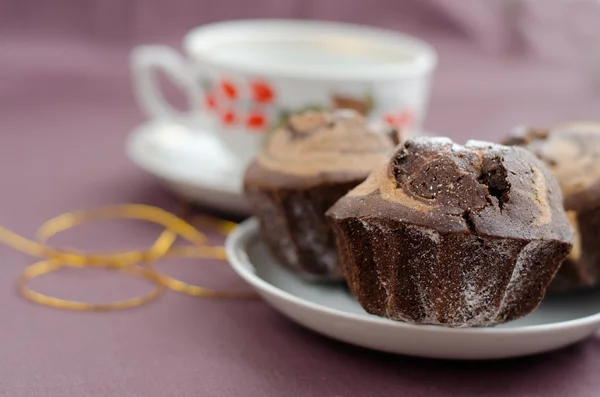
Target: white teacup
x,y
245,77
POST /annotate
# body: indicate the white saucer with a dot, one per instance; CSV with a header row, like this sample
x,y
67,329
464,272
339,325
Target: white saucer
x,y
194,166
332,311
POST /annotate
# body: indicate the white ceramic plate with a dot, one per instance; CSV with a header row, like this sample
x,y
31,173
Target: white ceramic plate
x,y
192,164
332,311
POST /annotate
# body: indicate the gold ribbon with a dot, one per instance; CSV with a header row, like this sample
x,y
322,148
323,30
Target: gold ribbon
x,y
138,263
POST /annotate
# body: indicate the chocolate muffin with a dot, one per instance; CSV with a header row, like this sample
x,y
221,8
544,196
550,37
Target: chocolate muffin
x,y
303,169
453,235
572,152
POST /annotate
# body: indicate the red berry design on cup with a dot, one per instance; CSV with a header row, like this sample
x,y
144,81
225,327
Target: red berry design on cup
x,y
229,89
229,117
401,118
256,120
210,101
262,92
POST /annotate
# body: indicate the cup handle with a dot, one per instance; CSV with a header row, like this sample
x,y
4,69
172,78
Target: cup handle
x,y
146,61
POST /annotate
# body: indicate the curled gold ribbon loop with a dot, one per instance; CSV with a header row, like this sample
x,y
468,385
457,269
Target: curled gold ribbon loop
x,y
139,263
196,290
45,267
174,226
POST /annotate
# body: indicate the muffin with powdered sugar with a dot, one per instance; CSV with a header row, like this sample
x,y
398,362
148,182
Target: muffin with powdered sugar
x,y
572,152
453,235
304,168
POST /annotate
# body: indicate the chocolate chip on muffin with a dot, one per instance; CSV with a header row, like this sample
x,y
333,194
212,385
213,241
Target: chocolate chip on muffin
x,y
453,235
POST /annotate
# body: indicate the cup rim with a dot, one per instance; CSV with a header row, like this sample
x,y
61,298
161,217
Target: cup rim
x,y
423,62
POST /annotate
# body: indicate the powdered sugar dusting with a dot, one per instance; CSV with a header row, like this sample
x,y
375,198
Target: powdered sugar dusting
x,y
312,238
367,225
439,140
480,286
482,290
284,243
474,143
425,232
423,286
519,275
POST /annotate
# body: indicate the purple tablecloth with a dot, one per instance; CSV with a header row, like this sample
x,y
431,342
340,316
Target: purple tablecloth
x,y
65,110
